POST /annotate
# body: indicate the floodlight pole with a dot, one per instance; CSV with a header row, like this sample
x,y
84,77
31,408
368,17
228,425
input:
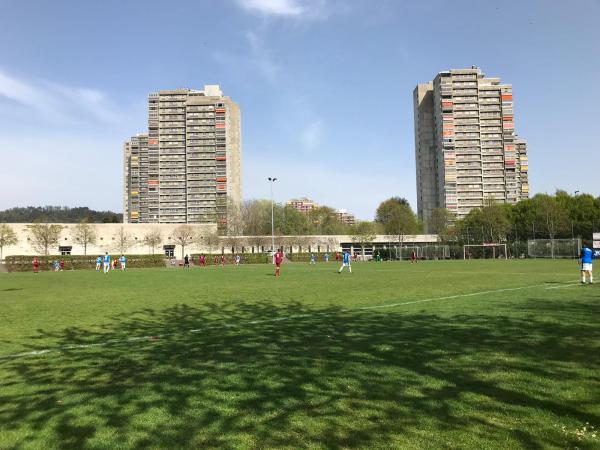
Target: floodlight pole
x,y
271,181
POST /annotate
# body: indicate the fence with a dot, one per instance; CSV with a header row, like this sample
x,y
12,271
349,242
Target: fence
x,y
553,248
424,251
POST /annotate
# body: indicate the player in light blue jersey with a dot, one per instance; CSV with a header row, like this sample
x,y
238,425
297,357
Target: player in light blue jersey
x,y
98,262
106,263
586,257
123,261
346,262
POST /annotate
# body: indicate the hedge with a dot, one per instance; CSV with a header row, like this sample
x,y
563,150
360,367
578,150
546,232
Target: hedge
x,y
20,263
305,257
246,258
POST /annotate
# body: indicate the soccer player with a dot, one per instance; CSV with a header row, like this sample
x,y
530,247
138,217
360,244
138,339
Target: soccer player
x,y
186,261
278,260
326,257
98,262
312,258
106,263
337,257
36,264
237,260
346,262
586,264
202,260
222,260
62,264
413,257
123,261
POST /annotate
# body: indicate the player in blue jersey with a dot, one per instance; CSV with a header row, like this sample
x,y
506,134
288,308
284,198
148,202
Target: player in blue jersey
x,y
106,263
586,257
346,262
98,262
123,261
312,258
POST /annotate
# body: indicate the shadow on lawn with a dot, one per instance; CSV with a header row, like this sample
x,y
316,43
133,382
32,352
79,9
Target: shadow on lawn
x,y
329,378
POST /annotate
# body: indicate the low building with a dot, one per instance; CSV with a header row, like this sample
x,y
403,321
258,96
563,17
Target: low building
x,y
109,237
304,205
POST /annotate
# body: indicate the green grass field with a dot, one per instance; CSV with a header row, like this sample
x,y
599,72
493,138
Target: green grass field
x,y
473,354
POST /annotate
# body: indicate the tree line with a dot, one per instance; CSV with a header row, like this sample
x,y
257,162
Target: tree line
x,y
58,214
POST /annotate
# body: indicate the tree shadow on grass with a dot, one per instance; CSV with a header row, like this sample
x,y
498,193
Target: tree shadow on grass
x,y
258,375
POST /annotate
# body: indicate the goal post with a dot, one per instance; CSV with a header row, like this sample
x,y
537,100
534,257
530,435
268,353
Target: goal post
x,y
496,250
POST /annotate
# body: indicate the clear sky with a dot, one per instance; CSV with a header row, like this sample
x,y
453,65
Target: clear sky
x,y
325,88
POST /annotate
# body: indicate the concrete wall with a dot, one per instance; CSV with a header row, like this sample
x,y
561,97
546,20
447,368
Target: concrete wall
x,y
107,240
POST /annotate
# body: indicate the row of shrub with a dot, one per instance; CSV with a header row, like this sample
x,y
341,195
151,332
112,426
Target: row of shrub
x,y
246,258
305,257
21,263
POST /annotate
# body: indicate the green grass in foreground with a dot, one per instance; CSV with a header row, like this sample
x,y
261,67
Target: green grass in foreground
x,y
293,363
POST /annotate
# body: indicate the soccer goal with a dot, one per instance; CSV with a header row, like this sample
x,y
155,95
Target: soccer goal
x,y
485,251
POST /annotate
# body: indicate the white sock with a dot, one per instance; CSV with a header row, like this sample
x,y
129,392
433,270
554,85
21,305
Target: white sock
x,y
583,277
591,278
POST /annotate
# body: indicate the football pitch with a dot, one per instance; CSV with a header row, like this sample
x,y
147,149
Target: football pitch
x,y
463,354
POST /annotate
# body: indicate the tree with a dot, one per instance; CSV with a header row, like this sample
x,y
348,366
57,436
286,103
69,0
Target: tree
x,y
44,235
84,234
324,221
8,237
439,221
235,222
152,239
183,235
397,217
363,233
552,215
122,240
293,222
210,240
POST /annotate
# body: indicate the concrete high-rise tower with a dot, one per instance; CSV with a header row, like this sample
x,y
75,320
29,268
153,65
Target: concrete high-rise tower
x,y
187,168
466,148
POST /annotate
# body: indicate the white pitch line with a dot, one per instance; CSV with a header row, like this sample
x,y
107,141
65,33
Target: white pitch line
x,y
272,320
563,286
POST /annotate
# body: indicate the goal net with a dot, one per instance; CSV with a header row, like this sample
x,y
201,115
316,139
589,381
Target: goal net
x,y
485,251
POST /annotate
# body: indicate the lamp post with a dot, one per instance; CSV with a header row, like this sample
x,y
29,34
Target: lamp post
x,y
271,181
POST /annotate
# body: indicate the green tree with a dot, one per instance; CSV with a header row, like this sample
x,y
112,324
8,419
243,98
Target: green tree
x,y
324,220
552,215
8,237
363,233
43,235
293,222
84,234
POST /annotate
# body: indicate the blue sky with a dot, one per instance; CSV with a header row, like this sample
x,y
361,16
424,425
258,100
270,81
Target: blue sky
x,y
325,89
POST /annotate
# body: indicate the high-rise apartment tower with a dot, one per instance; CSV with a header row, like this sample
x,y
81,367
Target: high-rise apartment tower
x,y
187,168
466,148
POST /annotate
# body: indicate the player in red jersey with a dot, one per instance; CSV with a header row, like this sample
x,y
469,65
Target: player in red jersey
x,y
222,260
202,260
36,264
278,260
413,257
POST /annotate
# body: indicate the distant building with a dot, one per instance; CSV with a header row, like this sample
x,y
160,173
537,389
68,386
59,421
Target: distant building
x,y
466,149
345,217
304,205
187,168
